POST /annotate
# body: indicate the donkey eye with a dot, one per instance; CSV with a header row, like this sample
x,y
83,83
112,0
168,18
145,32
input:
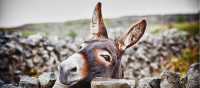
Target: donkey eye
x,y
107,57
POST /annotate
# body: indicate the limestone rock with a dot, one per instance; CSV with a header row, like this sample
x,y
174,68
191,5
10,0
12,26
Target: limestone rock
x,y
112,83
47,80
9,86
149,82
29,82
170,80
193,76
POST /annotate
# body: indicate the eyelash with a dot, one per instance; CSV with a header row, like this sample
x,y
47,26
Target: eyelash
x,y
107,57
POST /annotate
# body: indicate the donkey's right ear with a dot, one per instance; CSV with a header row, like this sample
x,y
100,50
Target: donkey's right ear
x,y
97,27
133,35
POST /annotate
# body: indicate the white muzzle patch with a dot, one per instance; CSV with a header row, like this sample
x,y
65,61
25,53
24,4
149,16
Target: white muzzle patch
x,y
70,69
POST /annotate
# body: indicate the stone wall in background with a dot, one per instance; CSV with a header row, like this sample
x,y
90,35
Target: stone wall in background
x,y
22,58
31,55
166,80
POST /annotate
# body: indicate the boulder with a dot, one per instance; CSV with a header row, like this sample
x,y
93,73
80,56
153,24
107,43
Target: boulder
x,y
193,76
112,83
29,82
170,80
149,82
9,86
2,82
47,79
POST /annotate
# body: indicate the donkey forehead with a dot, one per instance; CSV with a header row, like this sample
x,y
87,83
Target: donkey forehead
x,y
105,44
102,44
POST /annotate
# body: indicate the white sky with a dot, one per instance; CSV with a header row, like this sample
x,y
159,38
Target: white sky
x,y
18,12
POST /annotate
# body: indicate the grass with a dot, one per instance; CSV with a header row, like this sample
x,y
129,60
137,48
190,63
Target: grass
x,y
182,63
192,28
77,24
156,29
27,33
72,34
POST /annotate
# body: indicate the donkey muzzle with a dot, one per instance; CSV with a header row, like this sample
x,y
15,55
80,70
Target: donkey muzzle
x,y
72,69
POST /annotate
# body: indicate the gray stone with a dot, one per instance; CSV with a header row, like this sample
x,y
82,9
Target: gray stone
x,y
9,86
112,83
170,80
128,73
27,53
146,71
37,59
47,79
193,76
29,82
50,48
34,39
149,82
29,63
1,82
11,44
154,65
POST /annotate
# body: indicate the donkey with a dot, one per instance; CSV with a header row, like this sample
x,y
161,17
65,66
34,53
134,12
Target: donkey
x,y
99,56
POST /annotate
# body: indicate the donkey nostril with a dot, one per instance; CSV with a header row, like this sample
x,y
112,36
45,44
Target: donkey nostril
x,y
74,69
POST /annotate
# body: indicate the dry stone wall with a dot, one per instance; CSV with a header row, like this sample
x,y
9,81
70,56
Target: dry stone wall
x,y
23,58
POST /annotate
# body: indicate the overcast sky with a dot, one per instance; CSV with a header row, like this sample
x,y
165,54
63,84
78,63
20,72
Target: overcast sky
x,y
18,12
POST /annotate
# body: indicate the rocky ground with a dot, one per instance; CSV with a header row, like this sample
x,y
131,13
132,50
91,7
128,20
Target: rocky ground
x,y
31,61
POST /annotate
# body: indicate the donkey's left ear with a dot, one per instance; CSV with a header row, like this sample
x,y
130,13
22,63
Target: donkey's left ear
x,y
133,35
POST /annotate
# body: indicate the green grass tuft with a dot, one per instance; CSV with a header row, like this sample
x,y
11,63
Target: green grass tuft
x,y
192,28
27,33
72,34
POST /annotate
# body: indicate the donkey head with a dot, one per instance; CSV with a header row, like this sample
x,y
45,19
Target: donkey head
x,y
99,56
